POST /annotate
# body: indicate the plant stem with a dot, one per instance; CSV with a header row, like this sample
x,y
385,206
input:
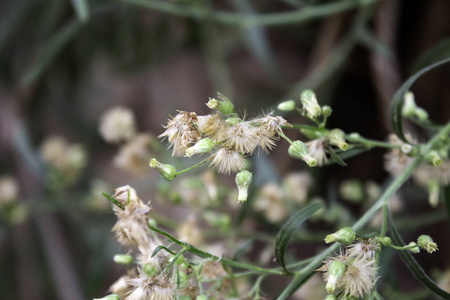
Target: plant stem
x,y
370,143
285,137
396,184
193,167
245,20
204,254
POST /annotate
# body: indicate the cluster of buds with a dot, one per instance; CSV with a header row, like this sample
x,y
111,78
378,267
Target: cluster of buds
x,y
224,134
410,108
151,278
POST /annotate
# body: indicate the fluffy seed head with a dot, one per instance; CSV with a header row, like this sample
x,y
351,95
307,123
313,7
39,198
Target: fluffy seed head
x,y
227,160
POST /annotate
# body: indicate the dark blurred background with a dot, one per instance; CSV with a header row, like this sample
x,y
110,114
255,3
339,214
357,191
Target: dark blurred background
x,y
61,70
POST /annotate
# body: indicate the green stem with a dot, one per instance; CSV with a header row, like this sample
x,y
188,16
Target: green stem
x,y
370,143
193,167
285,137
204,254
385,220
270,19
396,184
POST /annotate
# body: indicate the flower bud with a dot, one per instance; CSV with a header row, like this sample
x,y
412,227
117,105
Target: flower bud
x,y
336,137
299,150
288,105
336,269
421,114
426,242
310,104
331,297
149,269
344,236
232,121
109,297
201,297
433,158
409,105
243,180
168,172
416,248
410,150
224,107
385,241
203,146
433,193
123,259
349,297
326,111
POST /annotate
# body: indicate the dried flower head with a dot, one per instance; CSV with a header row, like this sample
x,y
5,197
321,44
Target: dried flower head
x,y
212,126
316,148
269,201
182,131
362,250
150,288
9,190
359,277
131,227
242,137
120,287
134,155
227,160
117,124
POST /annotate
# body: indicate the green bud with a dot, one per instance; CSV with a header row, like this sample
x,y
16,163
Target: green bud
x,y
421,114
109,297
426,242
352,190
348,297
336,269
288,105
310,104
410,150
201,297
183,297
224,107
179,260
331,297
344,236
409,105
386,241
326,111
433,193
203,146
123,259
433,158
168,172
232,121
243,180
416,248
299,150
336,137
149,270
152,222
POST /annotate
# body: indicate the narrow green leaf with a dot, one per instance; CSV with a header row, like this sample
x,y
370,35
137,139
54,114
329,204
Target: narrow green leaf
x,y
159,248
51,49
113,201
397,101
81,8
289,228
413,265
437,52
336,158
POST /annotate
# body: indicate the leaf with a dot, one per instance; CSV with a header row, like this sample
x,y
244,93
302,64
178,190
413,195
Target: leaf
x,y
51,49
159,248
289,228
397,101
412,264
81,8
113,201
437,52
336,157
